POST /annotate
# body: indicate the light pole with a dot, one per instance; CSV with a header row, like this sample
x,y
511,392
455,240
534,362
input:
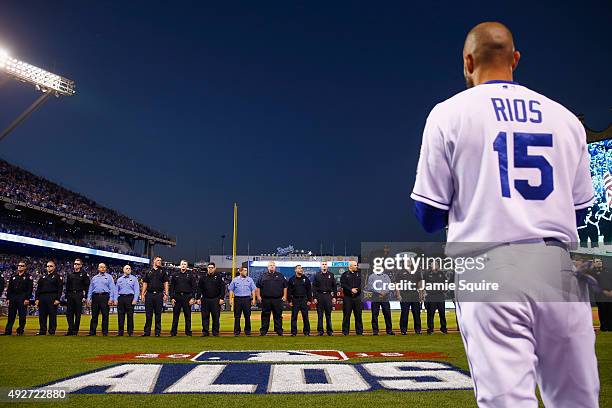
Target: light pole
x,y
44,81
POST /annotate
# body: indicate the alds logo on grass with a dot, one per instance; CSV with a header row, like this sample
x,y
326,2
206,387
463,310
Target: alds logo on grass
x,y
254,372
269,356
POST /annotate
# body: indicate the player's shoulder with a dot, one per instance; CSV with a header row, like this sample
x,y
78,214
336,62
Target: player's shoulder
x,y
561,112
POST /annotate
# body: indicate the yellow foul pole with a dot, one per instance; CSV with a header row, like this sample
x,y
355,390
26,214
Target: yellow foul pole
x,y
234,245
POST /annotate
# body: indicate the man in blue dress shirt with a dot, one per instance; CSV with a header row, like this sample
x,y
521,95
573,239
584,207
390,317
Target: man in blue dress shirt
x,y
100,297
128,290
242,295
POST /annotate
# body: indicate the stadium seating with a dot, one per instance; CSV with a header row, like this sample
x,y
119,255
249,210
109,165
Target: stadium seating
x,y
24,187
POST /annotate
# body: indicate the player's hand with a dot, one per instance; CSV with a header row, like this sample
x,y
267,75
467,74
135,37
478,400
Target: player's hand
x,y
191,302
284,299
231,301
56,302
88,303
199,301
36,303
315,301
253,302
290,304
26,302
110,302
165,298
142,297
354,290
259,299
308,303
133,302
173,302
221,301
334,301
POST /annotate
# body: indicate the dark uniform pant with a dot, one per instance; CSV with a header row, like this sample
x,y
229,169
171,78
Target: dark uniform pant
x,y
604,310
99,304
211,308
416,316
242,306
181,304
324,307
431,312
154,304
386,309
74,309
352,305
16,306
125,307
300,305
47,310
593,233
272,306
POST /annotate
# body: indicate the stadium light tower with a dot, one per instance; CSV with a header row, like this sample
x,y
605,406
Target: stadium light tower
x,y
44,81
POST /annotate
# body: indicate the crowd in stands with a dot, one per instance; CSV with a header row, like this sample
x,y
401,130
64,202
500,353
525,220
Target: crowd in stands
x,y
59,234
601,157
21,185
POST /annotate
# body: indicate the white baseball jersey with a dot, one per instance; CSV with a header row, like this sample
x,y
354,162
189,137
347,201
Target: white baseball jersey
x,y
507,163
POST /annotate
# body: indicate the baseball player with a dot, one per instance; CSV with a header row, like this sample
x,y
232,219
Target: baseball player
x,y
504,165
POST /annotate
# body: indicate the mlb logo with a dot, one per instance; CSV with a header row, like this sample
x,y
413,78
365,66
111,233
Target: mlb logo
x,y
269,356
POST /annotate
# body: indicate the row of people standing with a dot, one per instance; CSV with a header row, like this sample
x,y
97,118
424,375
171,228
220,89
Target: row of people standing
x,y
184,290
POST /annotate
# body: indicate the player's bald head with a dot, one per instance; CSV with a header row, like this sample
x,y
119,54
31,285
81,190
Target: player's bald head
x,y
490,43
489,46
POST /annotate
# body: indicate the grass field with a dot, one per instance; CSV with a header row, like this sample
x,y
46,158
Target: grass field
x,y
29,361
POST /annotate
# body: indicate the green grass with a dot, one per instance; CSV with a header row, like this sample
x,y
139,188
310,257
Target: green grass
x,y
28,361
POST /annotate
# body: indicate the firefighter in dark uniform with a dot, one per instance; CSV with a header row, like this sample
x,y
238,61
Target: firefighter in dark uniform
x,y
271,293
324,288
411,296
299,294
77,285
350,281
604,298
18,295
183,288
434,300
155,293
48,295
211,295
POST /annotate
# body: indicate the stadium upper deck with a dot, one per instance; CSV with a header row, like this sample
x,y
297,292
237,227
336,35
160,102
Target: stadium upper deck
x,y
22,188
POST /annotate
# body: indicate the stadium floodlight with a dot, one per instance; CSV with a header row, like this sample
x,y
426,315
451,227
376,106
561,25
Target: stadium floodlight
x,y
44,81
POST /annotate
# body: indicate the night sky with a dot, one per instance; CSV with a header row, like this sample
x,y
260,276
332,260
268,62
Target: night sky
x,y
309,115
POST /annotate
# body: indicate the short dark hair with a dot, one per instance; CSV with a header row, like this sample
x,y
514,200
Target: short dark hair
x,y
298,266
23,261
243,267
78,259
155,257
52,261
211,263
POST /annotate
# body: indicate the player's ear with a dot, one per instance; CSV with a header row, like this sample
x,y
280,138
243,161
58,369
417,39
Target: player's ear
x,y
516,56
468,63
